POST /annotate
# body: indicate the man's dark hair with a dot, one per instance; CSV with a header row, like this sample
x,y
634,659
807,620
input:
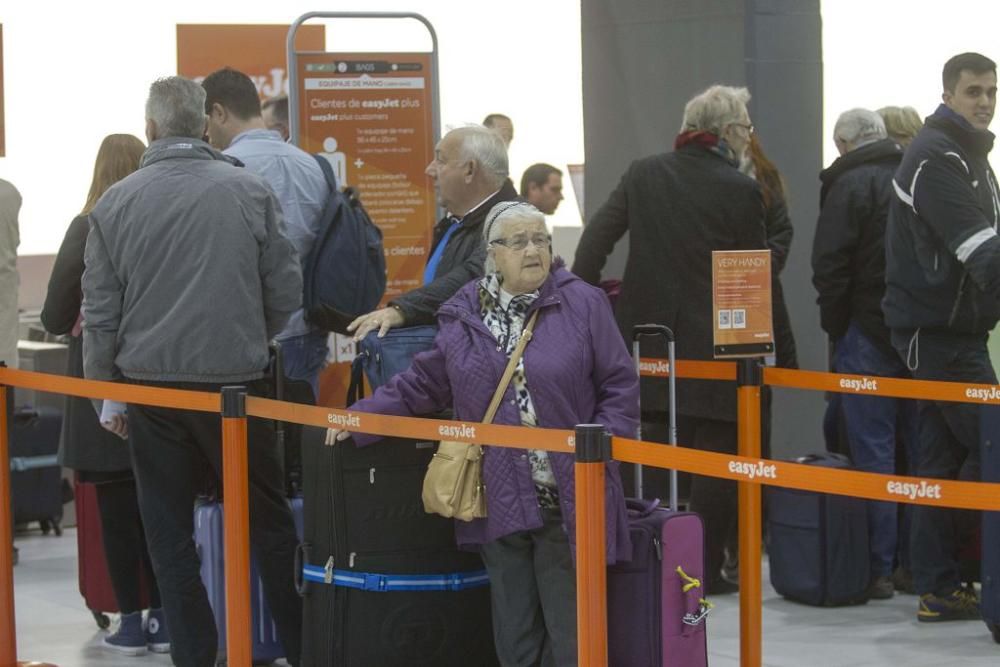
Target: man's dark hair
x,y
279,105
493,117
971,62
234,91
537,174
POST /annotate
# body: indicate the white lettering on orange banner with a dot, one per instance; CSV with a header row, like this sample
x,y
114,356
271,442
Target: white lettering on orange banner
x,y
912,490
754,470
658,367
984,395
864,384
461,431
347,421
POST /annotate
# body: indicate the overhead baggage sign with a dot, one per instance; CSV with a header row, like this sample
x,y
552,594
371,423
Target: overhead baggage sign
x,y
371,116
741,303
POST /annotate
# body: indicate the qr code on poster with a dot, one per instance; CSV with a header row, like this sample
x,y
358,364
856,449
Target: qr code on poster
x,y
725,319
739,318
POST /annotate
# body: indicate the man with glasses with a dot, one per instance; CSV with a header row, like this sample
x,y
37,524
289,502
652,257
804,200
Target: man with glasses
x,y
677,208
470,175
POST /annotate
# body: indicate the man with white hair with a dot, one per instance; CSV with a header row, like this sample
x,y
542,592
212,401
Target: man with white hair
x,y
677,208
188,276
848,260
470,174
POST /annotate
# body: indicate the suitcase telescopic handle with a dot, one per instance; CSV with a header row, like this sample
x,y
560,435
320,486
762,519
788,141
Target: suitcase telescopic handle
x,y
640,330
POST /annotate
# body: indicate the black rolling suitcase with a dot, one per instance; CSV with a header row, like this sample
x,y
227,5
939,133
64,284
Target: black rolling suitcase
x,y
383,582
989,430
35,474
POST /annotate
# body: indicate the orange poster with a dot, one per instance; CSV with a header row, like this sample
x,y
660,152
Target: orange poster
x,y
741,303
371,116
258,51
2,146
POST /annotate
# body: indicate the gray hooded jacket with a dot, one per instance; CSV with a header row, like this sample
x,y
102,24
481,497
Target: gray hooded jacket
x,y
188,272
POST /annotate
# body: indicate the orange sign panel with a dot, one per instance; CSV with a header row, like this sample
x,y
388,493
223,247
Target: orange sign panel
x,y
256,50
741,303
371,116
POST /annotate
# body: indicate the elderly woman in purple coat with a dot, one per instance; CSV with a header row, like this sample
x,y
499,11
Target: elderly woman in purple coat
x,y
576,369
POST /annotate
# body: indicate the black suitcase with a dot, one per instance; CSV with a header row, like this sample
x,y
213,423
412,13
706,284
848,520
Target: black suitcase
x,y
35,474
372,559
818,543
989,429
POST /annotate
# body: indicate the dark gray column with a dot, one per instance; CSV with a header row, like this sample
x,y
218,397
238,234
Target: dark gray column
x,y
643,59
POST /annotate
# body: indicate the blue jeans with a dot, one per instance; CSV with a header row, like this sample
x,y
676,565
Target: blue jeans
x,y
304,357
948,449
873,423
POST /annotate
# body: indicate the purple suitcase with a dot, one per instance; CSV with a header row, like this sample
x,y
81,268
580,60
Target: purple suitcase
x,y
266,646
656,602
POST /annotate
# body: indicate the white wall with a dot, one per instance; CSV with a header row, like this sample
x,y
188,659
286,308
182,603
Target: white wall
x,y
75,72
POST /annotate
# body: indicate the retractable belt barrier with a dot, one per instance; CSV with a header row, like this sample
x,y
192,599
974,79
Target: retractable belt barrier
x,y
748,470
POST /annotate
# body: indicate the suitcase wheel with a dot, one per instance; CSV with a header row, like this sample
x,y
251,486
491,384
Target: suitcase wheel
x,y
102,619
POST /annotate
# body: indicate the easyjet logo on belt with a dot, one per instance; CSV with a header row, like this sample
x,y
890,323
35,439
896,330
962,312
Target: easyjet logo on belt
x,y
347,421
659,366
912,490
984,395
864,384
754,470
461,431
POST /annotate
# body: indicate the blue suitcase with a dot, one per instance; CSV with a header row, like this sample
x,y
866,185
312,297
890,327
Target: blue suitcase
x,y
208,520
381,358
989,604
818,548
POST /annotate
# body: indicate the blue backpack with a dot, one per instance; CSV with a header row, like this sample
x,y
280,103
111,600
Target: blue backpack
x,y
343,276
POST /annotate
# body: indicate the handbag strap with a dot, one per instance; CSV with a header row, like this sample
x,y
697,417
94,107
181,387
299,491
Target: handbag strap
x,y
511,367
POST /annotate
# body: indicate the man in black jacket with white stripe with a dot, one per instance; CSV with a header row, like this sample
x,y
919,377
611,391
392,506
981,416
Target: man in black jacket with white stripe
x,y
942,298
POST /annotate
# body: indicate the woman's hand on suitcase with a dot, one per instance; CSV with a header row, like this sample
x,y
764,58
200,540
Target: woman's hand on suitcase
x,y
382,319
335,435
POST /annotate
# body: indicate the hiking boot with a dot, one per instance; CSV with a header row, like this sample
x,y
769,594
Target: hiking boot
x,y
960,605
902,579
157,637
881,588
129,638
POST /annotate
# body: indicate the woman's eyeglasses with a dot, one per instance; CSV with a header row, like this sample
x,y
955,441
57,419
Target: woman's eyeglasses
x,y
520,242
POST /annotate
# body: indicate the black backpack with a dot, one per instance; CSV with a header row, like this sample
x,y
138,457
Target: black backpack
x,y
343,276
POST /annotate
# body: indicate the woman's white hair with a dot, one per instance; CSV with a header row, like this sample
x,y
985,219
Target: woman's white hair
x,y
714,108
497,219
859,127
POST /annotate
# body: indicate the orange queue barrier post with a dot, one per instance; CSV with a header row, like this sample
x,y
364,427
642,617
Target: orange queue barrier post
x,y
593,451
236,526
749,379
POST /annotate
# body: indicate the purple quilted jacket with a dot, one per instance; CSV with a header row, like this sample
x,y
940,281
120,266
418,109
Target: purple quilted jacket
x,y
578,371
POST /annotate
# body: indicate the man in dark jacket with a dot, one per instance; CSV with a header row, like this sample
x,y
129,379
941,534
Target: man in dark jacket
x,y
678,207
470,173
942,298
848,260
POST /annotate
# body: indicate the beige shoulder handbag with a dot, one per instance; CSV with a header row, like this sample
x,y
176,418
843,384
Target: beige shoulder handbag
x,y
453,485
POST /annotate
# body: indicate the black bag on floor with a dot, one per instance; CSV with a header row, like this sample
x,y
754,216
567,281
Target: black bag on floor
x,y
989,605
383,582
35,474
818,546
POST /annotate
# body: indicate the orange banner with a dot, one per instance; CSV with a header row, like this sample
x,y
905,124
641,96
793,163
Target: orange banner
x,y
874,385
372,117
256,50
655,367
741,303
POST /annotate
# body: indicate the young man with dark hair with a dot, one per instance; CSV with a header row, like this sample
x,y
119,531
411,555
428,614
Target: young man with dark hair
x,y
541,185
235,127
941,300
502,125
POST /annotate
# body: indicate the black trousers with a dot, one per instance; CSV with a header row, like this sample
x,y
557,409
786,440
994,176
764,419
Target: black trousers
x,y
948,448
125,544
713,498
173,452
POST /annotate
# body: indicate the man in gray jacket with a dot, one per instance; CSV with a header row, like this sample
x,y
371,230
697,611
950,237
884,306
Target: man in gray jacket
x,y
188,275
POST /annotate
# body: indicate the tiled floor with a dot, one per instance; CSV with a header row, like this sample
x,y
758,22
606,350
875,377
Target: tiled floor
x,y
54,626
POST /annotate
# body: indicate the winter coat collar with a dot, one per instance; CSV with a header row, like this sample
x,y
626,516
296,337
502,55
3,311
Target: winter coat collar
x,y
976,142
708,141
884,151
171,148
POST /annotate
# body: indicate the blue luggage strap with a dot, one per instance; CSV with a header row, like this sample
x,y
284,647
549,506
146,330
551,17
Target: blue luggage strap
x,y
384,583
